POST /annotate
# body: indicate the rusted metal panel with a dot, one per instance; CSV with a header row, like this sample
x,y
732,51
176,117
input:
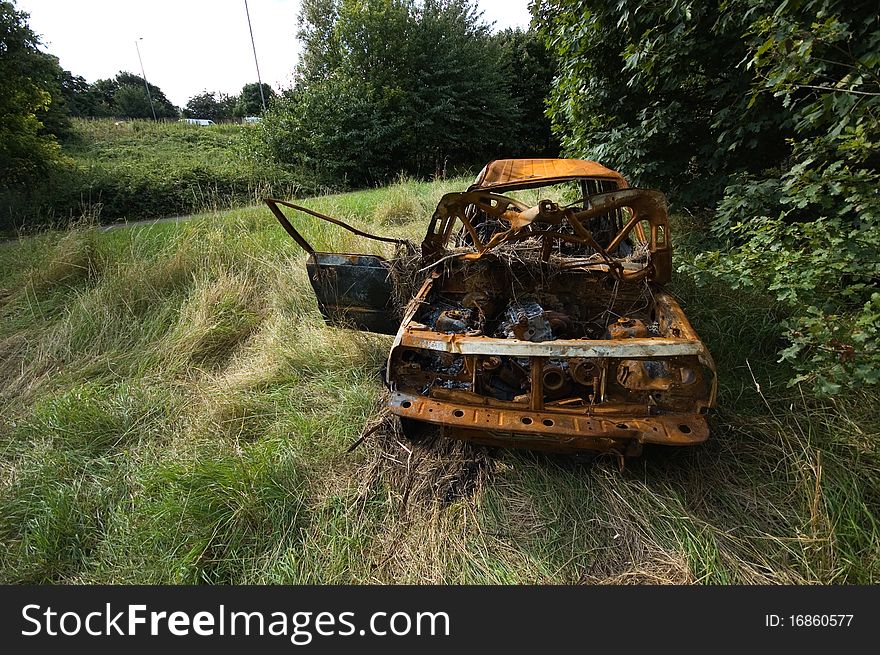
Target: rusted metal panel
x,y
631,348
506,173
548,224
516,427
353,291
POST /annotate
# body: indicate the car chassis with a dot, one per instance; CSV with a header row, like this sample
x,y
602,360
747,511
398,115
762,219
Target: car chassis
x,y
545,326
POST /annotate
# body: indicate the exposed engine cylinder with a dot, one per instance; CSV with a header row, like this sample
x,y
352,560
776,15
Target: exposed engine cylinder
x,y
554,378
583,371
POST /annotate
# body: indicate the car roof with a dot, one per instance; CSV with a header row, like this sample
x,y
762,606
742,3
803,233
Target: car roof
x,y
508,174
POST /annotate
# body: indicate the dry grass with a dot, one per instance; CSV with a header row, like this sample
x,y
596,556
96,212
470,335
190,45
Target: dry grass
x,y
172,409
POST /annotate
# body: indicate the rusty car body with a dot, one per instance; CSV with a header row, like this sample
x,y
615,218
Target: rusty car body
x,y
543,325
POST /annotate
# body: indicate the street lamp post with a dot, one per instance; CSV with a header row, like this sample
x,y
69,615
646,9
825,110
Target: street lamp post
x,y
146,86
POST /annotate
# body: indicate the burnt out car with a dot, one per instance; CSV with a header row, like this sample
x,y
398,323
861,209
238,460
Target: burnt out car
x,y
539,317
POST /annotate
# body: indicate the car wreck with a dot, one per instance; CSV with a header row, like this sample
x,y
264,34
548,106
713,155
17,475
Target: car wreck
x,y
542,325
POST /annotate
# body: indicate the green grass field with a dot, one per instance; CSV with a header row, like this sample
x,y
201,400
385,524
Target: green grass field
x,y
174,410
131,170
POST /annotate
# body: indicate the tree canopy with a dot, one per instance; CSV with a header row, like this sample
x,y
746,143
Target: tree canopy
x,y
385,86
250,102
126,96
27,88
210,105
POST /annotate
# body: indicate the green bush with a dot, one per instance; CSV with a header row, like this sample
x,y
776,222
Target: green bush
x,y
809,231
27,88
766,112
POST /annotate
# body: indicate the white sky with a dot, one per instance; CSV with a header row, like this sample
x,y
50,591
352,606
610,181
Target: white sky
x,y
189,46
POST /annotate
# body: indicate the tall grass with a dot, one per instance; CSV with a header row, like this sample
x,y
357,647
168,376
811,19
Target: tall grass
x,y
141,169
172,409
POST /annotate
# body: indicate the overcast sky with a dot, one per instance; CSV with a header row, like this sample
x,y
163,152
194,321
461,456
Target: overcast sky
x,y
189,46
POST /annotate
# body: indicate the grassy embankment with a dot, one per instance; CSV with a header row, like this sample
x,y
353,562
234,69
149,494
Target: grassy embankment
x,y
174,410
140,169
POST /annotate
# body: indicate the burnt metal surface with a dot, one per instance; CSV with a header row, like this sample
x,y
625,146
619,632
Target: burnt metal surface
x,y
489,222
543,326
353,291
559,431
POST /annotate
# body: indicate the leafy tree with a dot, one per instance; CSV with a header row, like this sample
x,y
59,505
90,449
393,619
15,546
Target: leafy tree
x,y
104,98
528,66
321,53
250,103
104,90
355,143
391,85
809,228
80,98
228,104
26,90
132,102
654,89
210,105
55,117
164,108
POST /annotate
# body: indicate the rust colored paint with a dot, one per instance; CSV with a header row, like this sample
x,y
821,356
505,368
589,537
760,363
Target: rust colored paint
x,y
508,173
574,431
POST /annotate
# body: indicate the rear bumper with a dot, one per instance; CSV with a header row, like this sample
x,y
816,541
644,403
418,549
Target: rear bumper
x,y
554,431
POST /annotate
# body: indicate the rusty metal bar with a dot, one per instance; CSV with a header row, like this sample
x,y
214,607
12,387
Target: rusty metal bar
x,y
288,227
624,348
575,430
536,396
272,202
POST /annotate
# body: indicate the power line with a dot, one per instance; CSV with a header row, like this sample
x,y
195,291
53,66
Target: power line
x,y
253,45
146,86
